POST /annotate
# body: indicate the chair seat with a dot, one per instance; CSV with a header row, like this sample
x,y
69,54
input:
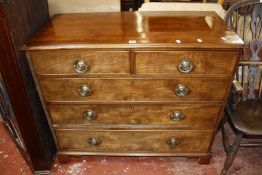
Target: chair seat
x,y
247,118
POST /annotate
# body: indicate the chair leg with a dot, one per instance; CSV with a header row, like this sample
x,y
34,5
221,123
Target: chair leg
x,y
225,139
223,120
221,124
232,153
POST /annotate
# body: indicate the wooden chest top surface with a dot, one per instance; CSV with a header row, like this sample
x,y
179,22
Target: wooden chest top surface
x,y
135,30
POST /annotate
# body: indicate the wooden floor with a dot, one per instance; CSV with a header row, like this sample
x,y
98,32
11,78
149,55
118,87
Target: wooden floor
x,y
248,162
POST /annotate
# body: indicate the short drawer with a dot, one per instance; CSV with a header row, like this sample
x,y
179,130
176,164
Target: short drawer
x,y
133,90
80,62
202,63
157,116
194,141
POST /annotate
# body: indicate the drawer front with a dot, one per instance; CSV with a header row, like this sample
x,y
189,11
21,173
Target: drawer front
x,y
119,90
134,141
178,116
65,62
204,62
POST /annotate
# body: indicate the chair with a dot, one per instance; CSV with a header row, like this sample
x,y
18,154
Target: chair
x,y
244,108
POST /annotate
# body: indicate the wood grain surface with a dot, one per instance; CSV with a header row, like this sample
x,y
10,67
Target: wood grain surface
x,y
136,116
204,62
117,90
134,141
62,62
135,30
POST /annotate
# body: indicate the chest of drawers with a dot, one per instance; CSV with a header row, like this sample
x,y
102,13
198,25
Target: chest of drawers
x,y
134,84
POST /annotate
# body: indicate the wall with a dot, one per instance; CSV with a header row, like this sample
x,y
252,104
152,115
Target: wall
x,y
74,6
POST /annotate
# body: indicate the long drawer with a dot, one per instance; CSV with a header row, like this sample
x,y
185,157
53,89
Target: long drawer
x,y
158,116
204,63
75,62
110,90
175,141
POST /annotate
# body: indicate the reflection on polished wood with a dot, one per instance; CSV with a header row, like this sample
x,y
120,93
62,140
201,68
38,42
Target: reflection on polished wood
x,y
142,29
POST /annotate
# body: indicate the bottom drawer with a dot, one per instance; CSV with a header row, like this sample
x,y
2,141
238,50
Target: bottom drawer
x,y
146,141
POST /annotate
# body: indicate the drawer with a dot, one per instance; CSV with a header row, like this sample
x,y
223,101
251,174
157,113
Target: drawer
x,y
203,63
119,90
174,141
158,116
80,62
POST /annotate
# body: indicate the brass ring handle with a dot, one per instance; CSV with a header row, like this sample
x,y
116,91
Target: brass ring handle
x,y
84,91
185,66
89,115
176,116
173,142
80,66
94,141
181,90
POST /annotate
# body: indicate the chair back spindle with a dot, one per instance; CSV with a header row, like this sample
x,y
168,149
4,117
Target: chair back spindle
x,y
245,18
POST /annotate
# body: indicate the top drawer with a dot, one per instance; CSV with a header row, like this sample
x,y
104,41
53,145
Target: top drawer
x,y
198,63
80,62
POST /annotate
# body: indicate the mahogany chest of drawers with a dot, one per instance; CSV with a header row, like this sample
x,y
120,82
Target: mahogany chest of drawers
x,y
134,83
